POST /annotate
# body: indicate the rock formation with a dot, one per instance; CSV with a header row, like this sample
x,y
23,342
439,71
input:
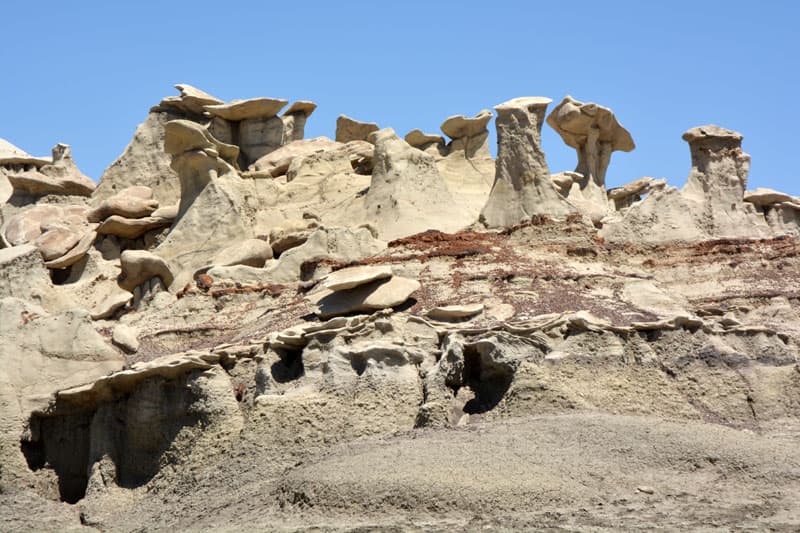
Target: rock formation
x,y
711,204
349,129
407,195
238,311
522,186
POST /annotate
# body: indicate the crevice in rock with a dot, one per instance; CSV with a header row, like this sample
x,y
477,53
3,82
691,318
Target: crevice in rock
x,y
487,380
289,367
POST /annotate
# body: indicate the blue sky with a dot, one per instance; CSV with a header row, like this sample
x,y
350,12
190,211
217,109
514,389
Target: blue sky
x,y
86,73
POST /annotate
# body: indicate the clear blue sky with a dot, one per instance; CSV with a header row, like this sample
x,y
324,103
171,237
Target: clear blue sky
x,y
86,73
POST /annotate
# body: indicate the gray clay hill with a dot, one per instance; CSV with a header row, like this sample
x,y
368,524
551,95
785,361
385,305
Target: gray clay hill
x,y
239,328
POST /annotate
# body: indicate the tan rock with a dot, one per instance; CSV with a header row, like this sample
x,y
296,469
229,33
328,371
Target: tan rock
x,y
290,234
421,140
407,194
115,300
131,228
126,337
458,126
250,252
349,129
764,197
294,120
451,312
237,110
56,242
26,225
191,100
349,278
522,186
276,163
139,266
380,294
60,176
76,253
131,202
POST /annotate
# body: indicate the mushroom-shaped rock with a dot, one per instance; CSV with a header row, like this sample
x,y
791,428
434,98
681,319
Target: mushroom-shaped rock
x,y
469,134
294,120
197,157
522,186
407,194
594,132
373,296
191,100
139,266
719,165
237,110
349,278
419,139
765,197
131,202
349,129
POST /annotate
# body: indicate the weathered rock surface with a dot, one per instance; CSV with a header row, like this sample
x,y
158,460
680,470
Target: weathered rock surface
x,y
294,120
237,110
522,186
249,252
406,194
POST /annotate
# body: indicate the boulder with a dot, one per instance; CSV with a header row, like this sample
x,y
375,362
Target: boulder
x,y
131,202
237,110
126,337
132,228
26,225
56,242
349,278
113,301
138,266
76,253
522,186
349,129
380,294
290,234
632,192
250,252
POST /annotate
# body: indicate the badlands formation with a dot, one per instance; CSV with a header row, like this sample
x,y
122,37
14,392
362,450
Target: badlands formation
x,y
241,328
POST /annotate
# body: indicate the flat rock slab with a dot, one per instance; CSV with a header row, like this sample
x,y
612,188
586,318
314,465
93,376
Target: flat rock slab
x,y
236,110
764,197
380,294
131,228
450,312
12,253
349,278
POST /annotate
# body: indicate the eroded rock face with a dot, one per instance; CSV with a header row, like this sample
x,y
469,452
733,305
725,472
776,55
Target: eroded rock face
x,y
407,195
294,120
139,266
522,186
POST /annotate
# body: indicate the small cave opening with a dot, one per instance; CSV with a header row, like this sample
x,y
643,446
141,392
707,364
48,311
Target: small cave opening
x,y
488,380
359,364
289,367
60,276
61,443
